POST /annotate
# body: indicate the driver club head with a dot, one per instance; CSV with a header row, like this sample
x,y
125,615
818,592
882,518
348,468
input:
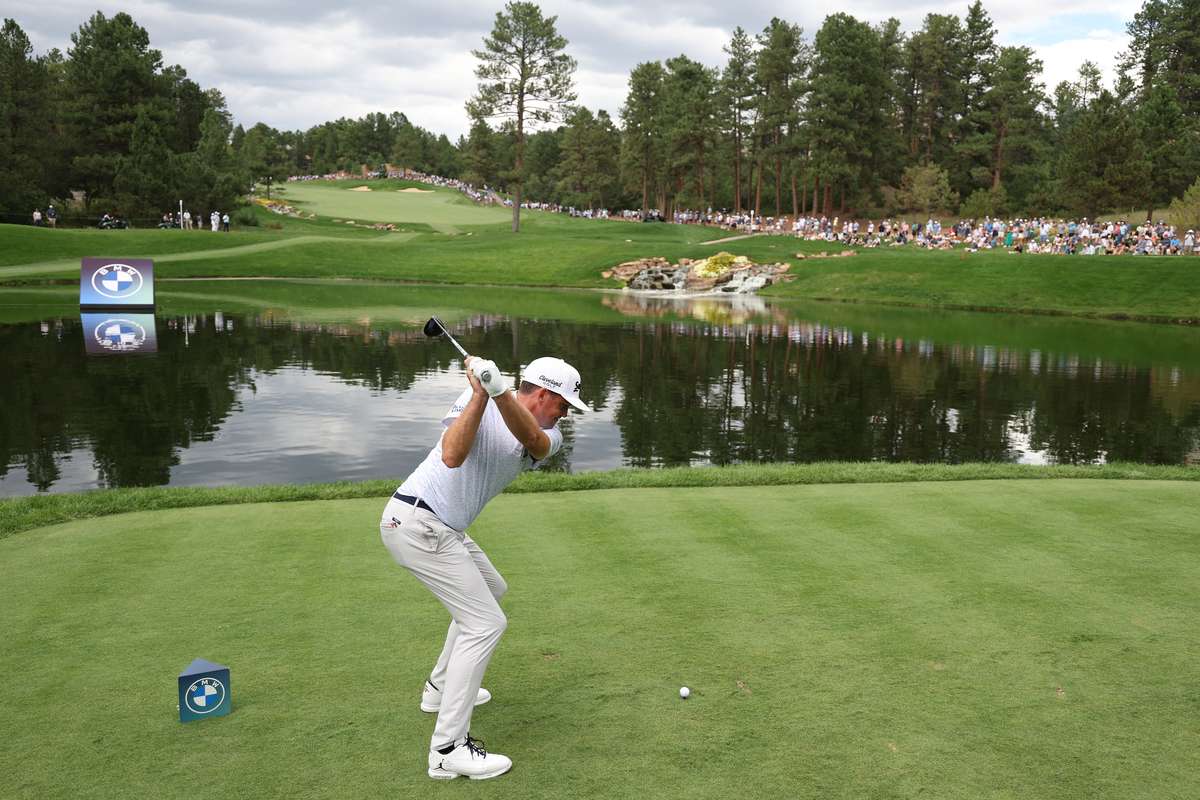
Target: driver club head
x,y
434,328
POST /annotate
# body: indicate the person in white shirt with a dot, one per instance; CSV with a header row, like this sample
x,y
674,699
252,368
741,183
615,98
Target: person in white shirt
x,y
491,435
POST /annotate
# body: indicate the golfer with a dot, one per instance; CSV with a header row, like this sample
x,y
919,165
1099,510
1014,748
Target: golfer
x,y
491,435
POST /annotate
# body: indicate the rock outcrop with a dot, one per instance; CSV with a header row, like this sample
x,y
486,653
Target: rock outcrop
x,y
721,273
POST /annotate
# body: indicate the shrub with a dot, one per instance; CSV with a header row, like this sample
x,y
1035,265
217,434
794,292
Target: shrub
x,y
1185,210
984,203
246,216
926,188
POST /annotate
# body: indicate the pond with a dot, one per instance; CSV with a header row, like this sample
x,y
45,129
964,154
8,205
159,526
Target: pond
x,y
302,381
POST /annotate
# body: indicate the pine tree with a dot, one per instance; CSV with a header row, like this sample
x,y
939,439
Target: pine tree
x,y
25,122
143,184
642,140
479,157
778,71
979,55
1008,120
1102,165
690,116
524,77
736,102
845,110
113,77
934,88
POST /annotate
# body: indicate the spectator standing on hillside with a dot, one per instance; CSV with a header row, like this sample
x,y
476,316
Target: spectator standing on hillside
x,y
52,216
214,219
37,217
225,222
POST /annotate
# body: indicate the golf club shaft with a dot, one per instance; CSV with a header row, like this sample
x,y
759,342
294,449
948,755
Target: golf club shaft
x,y
486,376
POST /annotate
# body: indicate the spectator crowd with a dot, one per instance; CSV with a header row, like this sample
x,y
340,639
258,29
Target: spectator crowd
x,y
1017,235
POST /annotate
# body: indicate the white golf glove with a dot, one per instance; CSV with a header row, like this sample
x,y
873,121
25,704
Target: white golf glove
x,y
489,375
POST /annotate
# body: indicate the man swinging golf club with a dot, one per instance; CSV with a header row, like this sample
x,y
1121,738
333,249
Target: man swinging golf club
x,y
491,434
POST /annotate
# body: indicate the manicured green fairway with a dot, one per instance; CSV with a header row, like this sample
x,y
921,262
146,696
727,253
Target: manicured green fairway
x,y
442,208
989,639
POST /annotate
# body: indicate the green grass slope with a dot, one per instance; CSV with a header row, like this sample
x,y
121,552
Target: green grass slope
x,y
980,639
449,240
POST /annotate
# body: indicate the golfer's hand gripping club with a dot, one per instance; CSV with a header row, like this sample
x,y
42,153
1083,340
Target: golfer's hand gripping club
x,y
489,375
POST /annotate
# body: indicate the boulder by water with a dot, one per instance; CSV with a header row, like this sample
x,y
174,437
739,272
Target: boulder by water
x,y
723,273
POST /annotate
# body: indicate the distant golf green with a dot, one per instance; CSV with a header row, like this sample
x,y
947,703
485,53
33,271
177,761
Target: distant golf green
x,y
986,639
385,201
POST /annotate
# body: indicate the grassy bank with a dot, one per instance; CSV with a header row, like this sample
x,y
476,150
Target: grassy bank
x,y
448,240
985,639
24,513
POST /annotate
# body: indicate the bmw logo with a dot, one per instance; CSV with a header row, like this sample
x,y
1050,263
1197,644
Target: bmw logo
x,y
117,281
204,696
119,335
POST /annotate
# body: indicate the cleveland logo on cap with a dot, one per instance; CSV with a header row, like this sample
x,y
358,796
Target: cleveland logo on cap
x,y
550,381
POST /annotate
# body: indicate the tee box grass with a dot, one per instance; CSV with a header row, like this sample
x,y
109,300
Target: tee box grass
x,y
983,639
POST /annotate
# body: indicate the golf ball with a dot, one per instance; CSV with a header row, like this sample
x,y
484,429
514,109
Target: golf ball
x,y
684,692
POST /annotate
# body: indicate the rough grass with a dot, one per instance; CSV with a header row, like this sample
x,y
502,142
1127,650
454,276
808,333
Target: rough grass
x,y
983,639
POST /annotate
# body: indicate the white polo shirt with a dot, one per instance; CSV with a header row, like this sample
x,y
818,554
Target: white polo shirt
x,y
496,458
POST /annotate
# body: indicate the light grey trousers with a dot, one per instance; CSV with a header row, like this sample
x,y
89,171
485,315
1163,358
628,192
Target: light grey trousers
x,y
456,570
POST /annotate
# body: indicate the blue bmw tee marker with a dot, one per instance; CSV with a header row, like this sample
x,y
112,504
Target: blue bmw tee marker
x,y
204,691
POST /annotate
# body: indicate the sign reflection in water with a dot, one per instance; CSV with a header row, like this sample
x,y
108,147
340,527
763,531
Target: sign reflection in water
x,y
243,400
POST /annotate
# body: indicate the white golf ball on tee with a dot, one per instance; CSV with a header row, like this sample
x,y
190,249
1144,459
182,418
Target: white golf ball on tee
x,y
684,692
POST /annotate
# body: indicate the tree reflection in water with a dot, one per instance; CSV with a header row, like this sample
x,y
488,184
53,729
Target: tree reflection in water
x,y
731,383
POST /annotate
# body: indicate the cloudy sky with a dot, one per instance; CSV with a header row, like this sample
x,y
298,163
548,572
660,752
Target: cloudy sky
x,y
298,63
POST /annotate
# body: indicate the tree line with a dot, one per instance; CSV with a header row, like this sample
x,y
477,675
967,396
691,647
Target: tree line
x,y
858,118
869,119
135,136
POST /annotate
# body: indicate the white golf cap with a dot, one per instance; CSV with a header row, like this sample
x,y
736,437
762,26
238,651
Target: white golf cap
x,y
556,375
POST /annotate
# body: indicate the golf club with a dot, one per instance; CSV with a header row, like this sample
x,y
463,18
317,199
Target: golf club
x,y
434,328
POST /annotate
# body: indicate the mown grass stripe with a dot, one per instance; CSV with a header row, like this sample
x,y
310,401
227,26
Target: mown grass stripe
x,y
24,513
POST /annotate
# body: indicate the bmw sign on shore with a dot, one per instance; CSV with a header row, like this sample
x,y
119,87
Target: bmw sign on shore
x,y
204,691
106,283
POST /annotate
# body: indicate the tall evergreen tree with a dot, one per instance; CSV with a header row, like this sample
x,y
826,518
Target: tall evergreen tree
x,y
113,76
1103,164
25,126
143,185
1164,48
1006,123
479,155
690,118
524,76
935,86
642,142
736,102
779,72
845,109
589,153
979,55
263,159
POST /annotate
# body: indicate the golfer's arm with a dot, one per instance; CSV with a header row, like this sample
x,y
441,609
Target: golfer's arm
x,y
523,426
460,436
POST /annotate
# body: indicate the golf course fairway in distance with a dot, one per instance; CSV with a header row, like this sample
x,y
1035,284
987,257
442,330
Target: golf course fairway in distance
x,y
979,639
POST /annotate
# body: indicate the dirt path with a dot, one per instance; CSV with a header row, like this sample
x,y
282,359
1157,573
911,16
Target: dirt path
x,y
733,238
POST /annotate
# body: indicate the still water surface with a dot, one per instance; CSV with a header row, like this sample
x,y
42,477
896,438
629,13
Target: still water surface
x,y
265,383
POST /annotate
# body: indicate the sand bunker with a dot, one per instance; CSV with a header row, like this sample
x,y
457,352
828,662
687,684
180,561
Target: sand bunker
x,y
412,190
361,189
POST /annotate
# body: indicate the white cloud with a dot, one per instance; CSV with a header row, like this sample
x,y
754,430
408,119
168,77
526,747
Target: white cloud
x,y
1061,60
296,64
